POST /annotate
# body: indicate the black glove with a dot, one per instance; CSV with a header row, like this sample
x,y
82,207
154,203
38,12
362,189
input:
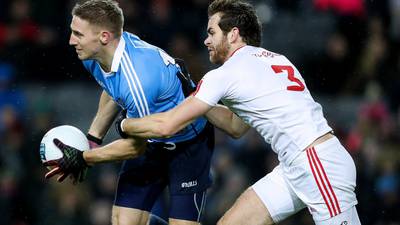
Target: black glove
x,y
118,122
71,164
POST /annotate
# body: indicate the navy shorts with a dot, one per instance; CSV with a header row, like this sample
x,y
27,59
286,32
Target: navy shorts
x,y
185,170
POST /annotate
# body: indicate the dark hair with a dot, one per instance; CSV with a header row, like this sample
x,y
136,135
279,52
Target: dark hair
x,y
103,13
240,14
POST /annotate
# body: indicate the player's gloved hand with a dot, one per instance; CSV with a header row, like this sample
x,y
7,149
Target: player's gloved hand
x,y
118,123
94,142
71,164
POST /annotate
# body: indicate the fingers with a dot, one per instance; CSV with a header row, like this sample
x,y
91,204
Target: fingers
x,y
51,163
62,177
52,172
59,144
55,171
76,177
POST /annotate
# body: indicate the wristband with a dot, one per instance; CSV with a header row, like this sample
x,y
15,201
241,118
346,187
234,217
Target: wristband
x,y
94,139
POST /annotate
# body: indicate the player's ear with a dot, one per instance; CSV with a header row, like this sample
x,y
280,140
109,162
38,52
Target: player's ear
x,y
233,35
105,37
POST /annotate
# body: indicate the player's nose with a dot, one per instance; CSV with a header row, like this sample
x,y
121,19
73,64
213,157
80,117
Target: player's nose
x,y
207,41
72,40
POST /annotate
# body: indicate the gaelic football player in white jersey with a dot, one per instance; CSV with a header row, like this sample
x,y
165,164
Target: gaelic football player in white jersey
x,y
264,90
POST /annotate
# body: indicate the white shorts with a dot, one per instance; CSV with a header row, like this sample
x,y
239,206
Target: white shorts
x,y
321,178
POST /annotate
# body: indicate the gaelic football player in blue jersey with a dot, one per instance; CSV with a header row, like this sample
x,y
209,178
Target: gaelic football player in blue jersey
x,y
141,79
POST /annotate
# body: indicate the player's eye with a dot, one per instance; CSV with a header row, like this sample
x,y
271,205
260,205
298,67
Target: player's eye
x,y
77,34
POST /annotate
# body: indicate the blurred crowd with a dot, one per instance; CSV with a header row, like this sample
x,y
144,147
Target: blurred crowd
x,y
347,50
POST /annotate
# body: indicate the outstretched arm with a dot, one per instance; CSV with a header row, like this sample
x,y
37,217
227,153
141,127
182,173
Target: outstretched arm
x,y
118,150
74,162
167,123
221,117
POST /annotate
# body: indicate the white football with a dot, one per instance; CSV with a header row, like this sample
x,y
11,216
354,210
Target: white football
x,y
67,134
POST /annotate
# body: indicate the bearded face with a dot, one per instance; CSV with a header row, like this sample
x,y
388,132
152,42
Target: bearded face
x,y
219,53
216,41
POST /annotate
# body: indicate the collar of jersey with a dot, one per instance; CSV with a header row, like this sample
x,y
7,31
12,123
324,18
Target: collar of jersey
x,y
118,55
237,51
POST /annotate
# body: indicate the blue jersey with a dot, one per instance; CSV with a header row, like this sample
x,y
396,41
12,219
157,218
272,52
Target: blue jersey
x,y
143,81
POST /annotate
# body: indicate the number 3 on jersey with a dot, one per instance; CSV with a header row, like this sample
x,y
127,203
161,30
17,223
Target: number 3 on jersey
x,y
290,75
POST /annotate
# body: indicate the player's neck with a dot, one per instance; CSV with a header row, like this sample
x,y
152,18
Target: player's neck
x,y
234,48
106,58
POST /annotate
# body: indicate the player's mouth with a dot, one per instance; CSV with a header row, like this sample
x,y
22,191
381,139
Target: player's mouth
x,y
78,51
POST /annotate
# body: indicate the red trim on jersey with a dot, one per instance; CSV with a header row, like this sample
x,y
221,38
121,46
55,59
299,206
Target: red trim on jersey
x,y
316,181
327,180
197,88
235,51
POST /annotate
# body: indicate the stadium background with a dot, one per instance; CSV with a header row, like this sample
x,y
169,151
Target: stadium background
x,y
347,50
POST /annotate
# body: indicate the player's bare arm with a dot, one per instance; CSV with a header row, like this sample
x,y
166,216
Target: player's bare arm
x,y
221,117
118,150
106,113
167,123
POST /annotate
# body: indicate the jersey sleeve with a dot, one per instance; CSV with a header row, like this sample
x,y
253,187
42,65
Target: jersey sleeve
x,y
211,88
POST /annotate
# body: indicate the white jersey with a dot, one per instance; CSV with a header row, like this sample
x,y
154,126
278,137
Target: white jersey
x,y
267,92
